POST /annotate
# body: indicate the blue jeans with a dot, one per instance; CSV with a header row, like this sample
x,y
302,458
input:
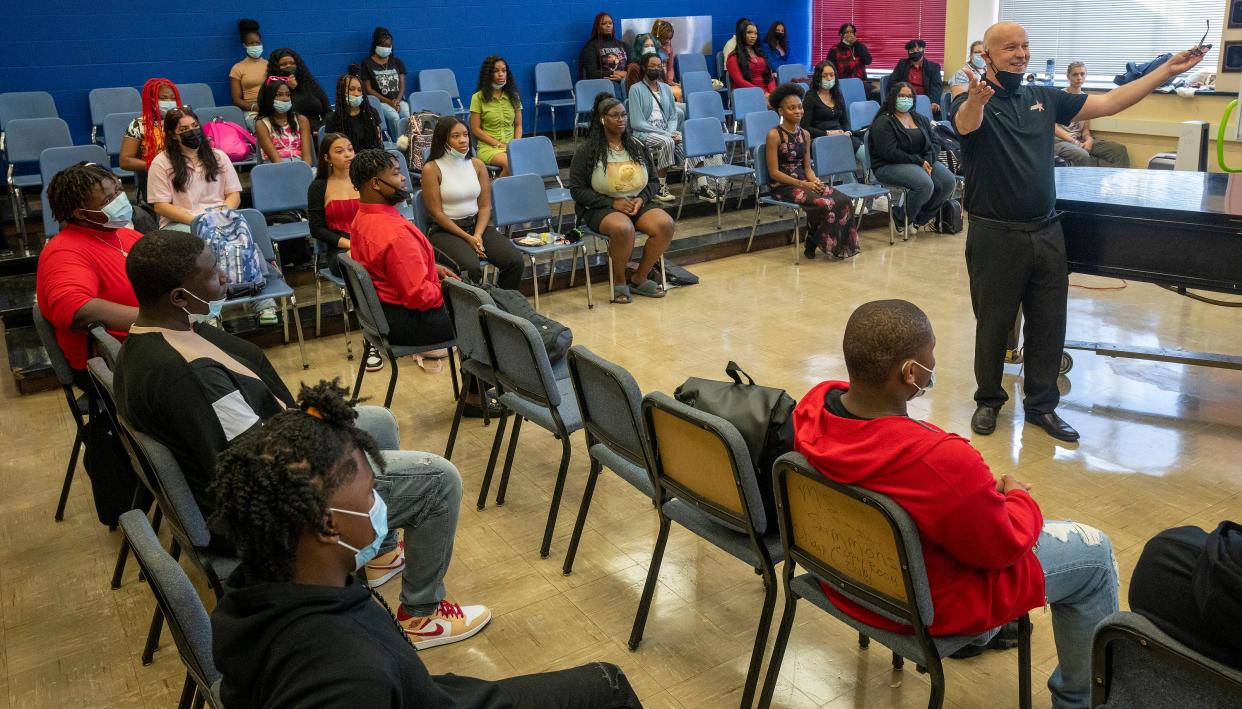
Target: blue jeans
x,y
396,120
423,493
1080,584
926,192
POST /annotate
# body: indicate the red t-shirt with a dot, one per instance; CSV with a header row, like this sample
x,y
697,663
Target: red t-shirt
x,y
915,78
399,259
978,545
78,265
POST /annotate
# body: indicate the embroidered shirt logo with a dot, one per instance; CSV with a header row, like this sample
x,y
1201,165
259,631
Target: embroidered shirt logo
x,y
1037,106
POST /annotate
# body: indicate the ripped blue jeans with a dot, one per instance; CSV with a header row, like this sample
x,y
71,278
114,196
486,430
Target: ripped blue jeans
x,y
423,493
1080,585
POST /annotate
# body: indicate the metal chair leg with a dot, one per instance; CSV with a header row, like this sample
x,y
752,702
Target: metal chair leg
x,y
534,280
349,343
508,467
188,690
653,573
362,369
392,378
754,228
555,507
491,460
568,567
318,304
778,649
73,466
297,324
761,637
452,438
1024,661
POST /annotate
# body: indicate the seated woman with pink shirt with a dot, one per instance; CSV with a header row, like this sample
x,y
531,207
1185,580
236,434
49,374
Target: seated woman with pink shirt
x,y
189,176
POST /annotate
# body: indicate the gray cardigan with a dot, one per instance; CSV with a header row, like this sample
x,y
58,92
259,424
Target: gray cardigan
x,y
640,105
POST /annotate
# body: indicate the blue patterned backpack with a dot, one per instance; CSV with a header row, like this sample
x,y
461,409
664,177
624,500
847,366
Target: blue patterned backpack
x,y
228,234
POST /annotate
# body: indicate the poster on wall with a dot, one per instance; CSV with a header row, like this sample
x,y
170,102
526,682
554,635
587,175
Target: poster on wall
x,y
690,34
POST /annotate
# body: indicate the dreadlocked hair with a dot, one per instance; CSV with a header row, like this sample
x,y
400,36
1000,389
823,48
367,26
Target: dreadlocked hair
x,y
181,168
363,129
485,89
274,482
70,188
596,143
152,125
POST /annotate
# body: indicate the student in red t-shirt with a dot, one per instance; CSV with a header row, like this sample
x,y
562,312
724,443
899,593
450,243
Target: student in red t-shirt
x,y
990,556
81,276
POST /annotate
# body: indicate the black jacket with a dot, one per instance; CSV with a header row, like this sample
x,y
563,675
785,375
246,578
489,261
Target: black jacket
x,y
891,145
588,59
933,78
585,196
297,645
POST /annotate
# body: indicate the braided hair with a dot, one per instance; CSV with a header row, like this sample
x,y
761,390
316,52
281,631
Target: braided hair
x,y
363,129
379,33
485,89
152,128
70,188
274,483
368,164
596,143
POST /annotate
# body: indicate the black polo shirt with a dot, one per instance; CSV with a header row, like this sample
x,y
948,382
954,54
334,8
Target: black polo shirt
x,y
1008,160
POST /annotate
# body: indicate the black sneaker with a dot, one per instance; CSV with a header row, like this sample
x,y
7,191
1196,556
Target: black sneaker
x,y
1006,639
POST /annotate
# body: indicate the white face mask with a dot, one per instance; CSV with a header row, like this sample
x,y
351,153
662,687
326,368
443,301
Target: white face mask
x,y
214,308
931,380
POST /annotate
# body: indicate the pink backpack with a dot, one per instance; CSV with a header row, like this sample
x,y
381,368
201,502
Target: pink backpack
x,y
229,138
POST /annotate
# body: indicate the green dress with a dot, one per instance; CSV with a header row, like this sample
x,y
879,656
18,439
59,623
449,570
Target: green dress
x,y
496,117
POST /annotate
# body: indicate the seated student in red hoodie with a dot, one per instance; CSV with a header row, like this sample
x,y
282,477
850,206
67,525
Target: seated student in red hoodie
x,y
990,556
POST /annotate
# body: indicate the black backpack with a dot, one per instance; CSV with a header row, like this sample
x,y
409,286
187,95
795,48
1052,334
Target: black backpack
x,y
949,218
556,337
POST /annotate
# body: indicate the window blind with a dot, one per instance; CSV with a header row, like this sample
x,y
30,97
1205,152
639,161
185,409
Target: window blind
x,y
883,25
1105,34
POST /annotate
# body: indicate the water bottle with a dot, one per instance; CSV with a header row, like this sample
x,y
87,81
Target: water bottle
x,y
1050,71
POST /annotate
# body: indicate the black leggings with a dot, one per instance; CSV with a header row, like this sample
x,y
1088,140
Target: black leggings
x,y
418,327
599,685
454,252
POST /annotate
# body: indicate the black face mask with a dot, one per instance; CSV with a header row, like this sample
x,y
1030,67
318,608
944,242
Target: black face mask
x,y
1007,80
654,74
916,55
779,35
398,195
192,138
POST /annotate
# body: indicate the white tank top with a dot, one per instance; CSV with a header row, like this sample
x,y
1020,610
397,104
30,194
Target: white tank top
x,y
459,187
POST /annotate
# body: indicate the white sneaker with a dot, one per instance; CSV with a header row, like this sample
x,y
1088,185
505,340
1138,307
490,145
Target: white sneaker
x,y
707,194
664,195
374,361
451,622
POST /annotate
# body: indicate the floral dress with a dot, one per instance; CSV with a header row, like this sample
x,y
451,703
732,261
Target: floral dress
x,y
828,215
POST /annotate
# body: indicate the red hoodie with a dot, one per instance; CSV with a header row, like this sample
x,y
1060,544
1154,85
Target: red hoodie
x,y
977,543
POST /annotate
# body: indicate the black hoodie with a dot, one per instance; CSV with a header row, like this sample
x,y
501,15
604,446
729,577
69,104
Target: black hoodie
x,y
297,645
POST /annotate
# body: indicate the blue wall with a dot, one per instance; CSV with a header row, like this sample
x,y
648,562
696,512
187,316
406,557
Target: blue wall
x,y
72,46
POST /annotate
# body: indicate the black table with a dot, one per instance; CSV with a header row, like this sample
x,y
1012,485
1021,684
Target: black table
x,y
1177,229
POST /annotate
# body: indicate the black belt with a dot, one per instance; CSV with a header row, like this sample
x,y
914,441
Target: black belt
x,y
1030,225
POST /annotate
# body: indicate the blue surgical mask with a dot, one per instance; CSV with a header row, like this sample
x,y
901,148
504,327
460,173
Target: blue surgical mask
x,y
214,308
119,212
976,60
166,106
931,380
827,84
649,50
454,153
254,51
282,106
354,101
383,52
905,103
379,524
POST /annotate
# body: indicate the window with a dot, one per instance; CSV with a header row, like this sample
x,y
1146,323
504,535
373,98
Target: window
x,y
1108,33
883,25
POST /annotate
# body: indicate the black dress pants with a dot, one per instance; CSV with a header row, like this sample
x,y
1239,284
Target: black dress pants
x,y
1014,264
454,252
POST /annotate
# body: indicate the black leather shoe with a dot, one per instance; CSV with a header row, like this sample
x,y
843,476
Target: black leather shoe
x,y
984,420
1054,426
1006,639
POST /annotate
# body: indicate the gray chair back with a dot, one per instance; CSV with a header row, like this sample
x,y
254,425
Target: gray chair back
x,y
105,345
105,394
160,469
176,597
702,460
367,306
464,301
47,336
609,400
861,543
518,357
1135,664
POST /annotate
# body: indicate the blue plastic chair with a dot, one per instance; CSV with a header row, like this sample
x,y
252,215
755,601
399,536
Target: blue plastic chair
x,y
553,78
104,102
52,161
406,208
922,104
862,113
585,92
791,72
26,139
437,101
276,286
748,100
704,137
757,126
442,80
197,96
852,90
833,158
114,127
24,104
691,61
521,199
281,187
536,156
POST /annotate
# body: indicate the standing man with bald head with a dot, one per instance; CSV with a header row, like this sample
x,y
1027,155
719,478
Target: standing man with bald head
x,y
1015,251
